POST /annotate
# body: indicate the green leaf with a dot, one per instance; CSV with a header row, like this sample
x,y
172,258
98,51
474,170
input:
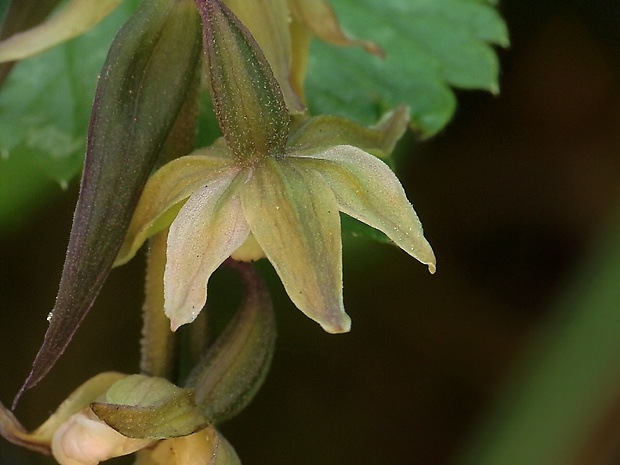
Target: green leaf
x,y
45,102
145,80
431,46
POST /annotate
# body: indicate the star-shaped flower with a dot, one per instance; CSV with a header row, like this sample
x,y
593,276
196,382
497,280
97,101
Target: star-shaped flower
x,y
278,187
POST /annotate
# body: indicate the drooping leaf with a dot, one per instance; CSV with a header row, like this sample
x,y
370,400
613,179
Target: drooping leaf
x,y
143,85
430,46
79,399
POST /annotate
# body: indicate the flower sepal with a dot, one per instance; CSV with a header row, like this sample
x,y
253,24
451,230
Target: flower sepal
x,y
144,407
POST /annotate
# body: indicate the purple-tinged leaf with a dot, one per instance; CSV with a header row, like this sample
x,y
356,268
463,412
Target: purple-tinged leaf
x,y
142,87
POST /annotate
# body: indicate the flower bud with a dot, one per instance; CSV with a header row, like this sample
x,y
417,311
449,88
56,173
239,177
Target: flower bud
x,y
86,440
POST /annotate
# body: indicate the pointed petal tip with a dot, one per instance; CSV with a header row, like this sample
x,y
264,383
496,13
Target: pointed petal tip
x,y
431,268
179,318
176,323
337,326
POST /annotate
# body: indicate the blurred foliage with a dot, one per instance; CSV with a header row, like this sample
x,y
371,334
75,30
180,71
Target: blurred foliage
x,y
45,102
44,112
568,380
431,367
429,46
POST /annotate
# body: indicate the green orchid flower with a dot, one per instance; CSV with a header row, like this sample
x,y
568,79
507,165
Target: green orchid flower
x,y
270,186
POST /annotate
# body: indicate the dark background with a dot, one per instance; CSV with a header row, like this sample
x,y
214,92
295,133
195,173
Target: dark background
x,y
512,195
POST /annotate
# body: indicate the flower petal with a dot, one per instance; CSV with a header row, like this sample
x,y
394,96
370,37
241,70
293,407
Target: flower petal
x,y
147,407
166,189
247,99
76,17
319,17
294,217
206,447
209,227
368,190
328,130
86,440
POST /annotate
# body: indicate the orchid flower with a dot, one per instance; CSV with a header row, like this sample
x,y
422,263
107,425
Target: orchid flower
x,y
272,186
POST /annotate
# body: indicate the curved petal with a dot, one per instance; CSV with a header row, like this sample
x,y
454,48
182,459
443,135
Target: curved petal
x,y
294,217
166,189
368,190
209,227
76,17
86,440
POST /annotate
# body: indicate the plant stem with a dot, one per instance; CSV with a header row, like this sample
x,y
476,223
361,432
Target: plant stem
x,y
157,344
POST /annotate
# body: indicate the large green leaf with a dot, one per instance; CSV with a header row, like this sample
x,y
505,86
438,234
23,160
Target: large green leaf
x,y
147,76
44,111
45,102
431,46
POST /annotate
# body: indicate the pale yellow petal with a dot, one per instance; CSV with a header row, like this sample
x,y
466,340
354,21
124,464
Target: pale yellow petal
x,y
325,131
76,17
209,227
206,447
250,251
86,440
368,190
165,191
294,217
